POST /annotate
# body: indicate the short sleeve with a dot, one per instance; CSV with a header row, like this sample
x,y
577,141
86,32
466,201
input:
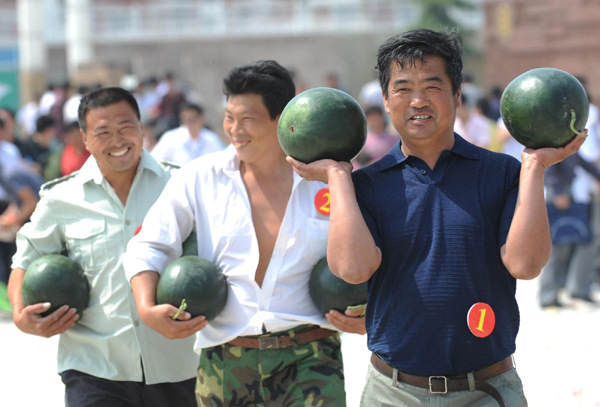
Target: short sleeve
x,y
510,201
364,190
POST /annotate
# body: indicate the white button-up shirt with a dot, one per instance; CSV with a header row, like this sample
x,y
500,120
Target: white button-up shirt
x,y
208,195
177,146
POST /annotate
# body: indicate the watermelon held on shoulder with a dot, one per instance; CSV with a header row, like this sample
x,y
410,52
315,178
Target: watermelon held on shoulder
x,y
330,292
544,107
199,282
58,280
322,123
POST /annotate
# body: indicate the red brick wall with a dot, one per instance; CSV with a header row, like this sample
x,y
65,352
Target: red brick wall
x,y
524,34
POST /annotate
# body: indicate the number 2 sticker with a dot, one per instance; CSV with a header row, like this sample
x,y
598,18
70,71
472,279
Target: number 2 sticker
x,y
322,201
481,320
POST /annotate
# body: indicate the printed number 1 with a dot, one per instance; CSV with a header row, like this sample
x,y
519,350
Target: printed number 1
x,y
481,320
325,206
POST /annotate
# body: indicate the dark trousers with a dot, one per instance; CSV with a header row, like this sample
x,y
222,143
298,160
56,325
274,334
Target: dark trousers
x,y
84,390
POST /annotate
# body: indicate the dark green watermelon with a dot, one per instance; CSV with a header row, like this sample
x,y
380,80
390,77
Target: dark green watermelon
x,y
58,280
536,107
190,246
330,292
201,283
322,123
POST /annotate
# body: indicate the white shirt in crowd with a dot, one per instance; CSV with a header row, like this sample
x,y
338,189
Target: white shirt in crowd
x,y
46,102
27,116
71,108
177,146
208,195
476,130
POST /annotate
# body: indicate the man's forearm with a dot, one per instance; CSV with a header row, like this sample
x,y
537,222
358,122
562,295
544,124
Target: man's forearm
x,y
143,286
529,242
14,289
351,251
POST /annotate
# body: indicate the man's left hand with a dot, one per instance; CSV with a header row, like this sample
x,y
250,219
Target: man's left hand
x,y
549,156
350,322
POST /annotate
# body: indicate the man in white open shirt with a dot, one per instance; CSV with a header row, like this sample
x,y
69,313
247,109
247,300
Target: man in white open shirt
x,y
190,140
257,220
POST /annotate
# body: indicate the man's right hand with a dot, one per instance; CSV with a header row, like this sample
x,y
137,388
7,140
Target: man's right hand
x,y
160,318
29,319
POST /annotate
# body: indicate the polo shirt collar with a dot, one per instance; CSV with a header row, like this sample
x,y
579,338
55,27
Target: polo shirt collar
x,y
91,172
461,147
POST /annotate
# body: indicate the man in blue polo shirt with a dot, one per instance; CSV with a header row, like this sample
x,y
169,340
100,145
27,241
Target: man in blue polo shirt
x,y
444,229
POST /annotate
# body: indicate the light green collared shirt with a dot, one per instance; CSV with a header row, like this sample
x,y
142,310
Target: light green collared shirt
x,y
82,214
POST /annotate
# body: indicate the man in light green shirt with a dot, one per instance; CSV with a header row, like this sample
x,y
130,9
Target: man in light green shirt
x,y
109,357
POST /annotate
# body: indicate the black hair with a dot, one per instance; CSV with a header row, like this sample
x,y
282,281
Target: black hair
x,y
406,48
71,126
10,111
266,78
497,92
2,124
484,105
374,109
105,97
192,106
43,123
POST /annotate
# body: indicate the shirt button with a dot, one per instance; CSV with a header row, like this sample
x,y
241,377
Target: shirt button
x,y
128,222
423,172
136,323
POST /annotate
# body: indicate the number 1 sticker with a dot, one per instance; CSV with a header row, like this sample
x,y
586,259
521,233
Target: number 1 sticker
x,y
322,201
481,320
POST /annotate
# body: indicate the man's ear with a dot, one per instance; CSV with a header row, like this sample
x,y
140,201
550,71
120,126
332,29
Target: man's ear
x,y
458,97
386,104
85,141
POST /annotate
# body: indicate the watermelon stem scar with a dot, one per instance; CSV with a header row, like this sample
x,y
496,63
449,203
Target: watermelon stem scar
x,y
573,117
180,310
292,129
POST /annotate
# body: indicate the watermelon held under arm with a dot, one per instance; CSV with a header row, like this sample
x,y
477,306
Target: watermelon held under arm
x,y
544,107
330,292
199,282
322,123
58,280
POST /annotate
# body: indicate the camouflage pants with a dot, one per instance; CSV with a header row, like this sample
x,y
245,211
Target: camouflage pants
x,y
307,375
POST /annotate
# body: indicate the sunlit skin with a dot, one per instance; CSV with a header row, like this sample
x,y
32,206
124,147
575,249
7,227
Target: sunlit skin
x,y
251,129
194,121
114,136
422,105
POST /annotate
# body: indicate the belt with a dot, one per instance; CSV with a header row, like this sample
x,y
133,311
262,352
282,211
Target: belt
x,y
443,384
309,334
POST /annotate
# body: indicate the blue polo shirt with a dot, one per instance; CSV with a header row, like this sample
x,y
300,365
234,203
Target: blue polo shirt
x,y
440,232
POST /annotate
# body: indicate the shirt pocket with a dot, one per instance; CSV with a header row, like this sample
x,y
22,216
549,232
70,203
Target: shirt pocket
x,y
86,243
317,231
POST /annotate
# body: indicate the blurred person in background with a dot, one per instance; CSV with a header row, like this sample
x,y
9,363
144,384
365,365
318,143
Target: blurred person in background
x,y
9,152
47,100
472,125
72,105
68,157
41,145
470,90
494,103
379,140
332,80
571,264
26,117
171,103
371,95
57,110
190,140
152,133
10,125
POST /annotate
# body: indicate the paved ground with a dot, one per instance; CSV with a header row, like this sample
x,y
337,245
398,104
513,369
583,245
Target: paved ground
x,y
558,358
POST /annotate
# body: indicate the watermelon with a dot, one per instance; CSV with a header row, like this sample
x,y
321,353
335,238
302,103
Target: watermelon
x,y
322,123
58,280
330,292
199,282
190,246
544,107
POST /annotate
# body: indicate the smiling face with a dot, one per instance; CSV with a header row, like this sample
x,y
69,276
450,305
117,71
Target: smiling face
x,y
114,137
421,102
250,128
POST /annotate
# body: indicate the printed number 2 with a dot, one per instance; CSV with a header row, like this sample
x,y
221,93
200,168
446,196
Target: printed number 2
x,y
481,320
325,206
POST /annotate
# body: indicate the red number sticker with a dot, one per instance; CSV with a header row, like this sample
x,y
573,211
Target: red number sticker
x,y
322,200
481,320
137,230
